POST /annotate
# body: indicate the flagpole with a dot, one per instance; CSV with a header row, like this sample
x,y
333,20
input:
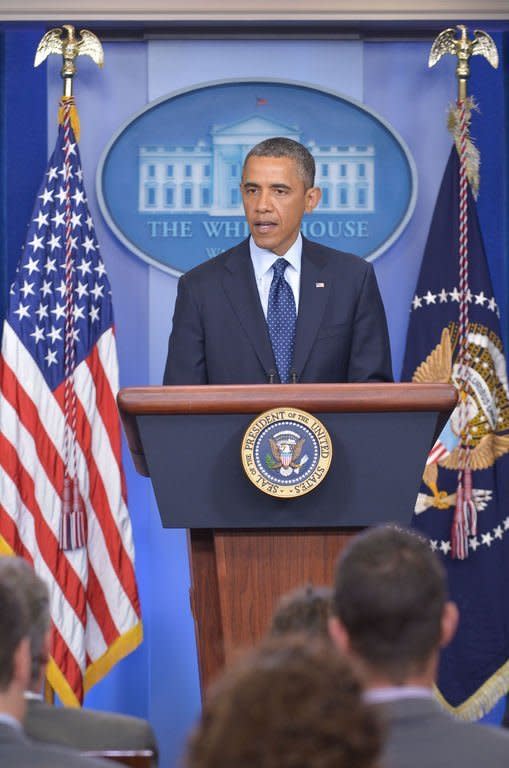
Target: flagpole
x,y
65,42
465,515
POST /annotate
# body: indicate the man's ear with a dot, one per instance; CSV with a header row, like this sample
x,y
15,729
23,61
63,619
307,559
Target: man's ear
x,y
313,197
22,664
449,623
339,635
46,647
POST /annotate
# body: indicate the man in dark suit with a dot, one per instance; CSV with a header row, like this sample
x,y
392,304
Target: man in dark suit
x,y
278,307
392,616
16,749
80,729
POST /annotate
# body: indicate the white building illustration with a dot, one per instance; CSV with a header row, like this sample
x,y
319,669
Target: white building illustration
x,y
205,178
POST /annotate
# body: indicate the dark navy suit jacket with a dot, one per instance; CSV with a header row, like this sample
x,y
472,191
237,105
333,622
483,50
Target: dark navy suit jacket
x,y
220,334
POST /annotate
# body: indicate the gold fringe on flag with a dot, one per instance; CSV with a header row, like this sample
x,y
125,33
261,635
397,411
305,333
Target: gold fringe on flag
x,y
483,700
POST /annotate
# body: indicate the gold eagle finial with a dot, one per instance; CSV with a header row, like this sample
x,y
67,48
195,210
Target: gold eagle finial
x,y
482,44
65,42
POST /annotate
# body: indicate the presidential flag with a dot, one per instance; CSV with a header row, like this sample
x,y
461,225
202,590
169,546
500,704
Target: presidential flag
x,y
62,487
463,504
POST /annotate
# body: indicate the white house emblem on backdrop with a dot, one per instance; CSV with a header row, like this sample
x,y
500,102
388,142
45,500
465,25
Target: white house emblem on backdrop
x,y
168,181
205,177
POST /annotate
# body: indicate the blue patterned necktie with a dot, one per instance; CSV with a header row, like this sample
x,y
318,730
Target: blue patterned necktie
x,y
281,319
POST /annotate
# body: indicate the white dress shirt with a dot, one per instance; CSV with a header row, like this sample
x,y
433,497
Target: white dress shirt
x,y
388,693
262,265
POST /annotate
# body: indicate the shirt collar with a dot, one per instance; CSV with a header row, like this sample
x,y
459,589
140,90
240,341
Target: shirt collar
x,y
10,720
31,695
263,259
396,693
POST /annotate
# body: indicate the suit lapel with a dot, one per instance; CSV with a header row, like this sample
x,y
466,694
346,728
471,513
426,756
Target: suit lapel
x,y
314,293
240,287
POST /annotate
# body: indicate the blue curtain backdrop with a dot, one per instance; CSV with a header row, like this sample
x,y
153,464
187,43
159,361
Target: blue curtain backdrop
x,y
160,680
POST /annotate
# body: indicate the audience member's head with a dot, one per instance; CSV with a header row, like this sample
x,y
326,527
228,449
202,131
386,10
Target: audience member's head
x,y
292,703
36,595
305,609
390,607
14,638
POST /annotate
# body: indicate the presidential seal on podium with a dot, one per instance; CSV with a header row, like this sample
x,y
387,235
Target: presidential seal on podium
x,y
286,452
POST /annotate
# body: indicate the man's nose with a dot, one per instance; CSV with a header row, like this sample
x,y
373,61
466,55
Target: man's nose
x,y
264,201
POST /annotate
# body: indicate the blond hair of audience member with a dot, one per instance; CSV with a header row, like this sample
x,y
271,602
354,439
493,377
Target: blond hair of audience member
x,y
291,703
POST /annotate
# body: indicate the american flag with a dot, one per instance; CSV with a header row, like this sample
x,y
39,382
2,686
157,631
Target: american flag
x,y
58,419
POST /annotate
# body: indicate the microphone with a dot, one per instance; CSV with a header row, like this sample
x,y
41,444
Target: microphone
x,y
272,376
293,377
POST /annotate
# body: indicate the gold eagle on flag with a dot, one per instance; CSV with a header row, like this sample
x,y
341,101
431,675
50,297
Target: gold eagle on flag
x,y
486,395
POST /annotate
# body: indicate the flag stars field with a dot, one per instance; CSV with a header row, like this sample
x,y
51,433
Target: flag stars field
x,y
444,296
32,265
41,220
38,334
36,243
487,539
46,196
58,219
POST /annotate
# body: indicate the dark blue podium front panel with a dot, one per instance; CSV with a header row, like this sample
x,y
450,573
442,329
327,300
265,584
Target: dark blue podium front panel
x,y
196,470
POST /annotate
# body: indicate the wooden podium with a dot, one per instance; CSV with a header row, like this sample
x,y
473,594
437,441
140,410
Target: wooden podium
x,y
248,548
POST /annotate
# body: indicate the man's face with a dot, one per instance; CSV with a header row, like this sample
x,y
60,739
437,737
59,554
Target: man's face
x,y
275,200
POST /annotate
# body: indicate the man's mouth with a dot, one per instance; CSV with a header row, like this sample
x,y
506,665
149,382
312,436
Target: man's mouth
x,y
264,226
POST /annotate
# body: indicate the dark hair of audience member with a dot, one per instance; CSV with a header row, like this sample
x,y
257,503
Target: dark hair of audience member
x,y
292,703
37,599
14,618
389,594
305,609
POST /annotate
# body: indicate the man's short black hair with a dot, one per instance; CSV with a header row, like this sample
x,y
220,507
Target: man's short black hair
x,y
305,609
14,617
389,594
279,146
36,595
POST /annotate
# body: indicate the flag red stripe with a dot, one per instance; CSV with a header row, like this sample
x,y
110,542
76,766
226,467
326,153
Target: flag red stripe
x,y
10,533
107,407
28,414
61,652
65,661
46,541
120,560
101,611
52,464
